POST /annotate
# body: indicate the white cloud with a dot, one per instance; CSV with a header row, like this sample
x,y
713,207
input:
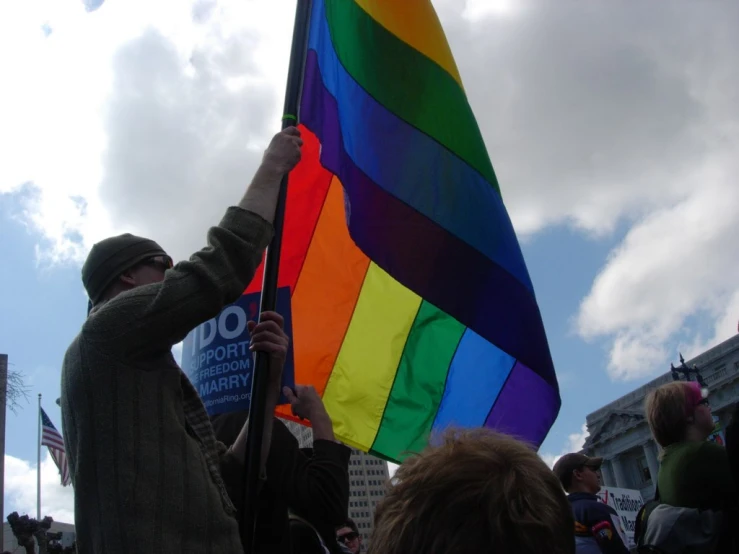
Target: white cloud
x,y
575,442
139,116
479,9
20,489
679,261
198,134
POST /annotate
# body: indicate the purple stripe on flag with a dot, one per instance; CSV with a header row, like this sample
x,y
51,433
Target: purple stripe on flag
x,y
526,407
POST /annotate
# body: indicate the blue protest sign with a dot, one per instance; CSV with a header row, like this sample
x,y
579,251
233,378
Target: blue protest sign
x,y
217,360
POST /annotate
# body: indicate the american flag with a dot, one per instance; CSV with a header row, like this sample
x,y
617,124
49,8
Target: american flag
x,y
53,439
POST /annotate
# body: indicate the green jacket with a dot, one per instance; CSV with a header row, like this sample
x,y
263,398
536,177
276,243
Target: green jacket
x,y
697,475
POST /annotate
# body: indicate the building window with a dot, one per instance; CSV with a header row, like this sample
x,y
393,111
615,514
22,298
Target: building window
x,y
644,472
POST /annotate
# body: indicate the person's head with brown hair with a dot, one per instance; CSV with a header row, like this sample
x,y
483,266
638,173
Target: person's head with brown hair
x,y
478,491
678,411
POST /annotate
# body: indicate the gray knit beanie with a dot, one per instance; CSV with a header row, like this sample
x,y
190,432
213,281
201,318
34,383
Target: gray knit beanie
x,y
111,257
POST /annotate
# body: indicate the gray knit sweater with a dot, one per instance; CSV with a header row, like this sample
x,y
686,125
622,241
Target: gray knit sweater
x,y
146,468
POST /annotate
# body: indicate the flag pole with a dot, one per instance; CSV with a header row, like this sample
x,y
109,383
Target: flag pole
x,y
38,464
260,378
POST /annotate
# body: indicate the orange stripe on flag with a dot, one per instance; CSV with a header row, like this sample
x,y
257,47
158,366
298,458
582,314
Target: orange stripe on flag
x,y
325,295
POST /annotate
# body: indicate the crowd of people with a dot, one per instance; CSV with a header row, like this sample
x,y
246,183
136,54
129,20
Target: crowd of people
x,y
153,472
695,507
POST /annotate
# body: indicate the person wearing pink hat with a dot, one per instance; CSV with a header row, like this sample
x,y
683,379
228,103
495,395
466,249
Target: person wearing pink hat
x,y
694,473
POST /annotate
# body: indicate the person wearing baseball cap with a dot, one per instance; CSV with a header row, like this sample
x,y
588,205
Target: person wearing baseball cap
x,y
598,528
147,469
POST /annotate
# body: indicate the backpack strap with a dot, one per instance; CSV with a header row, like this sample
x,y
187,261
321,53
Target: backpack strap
x,y
642,516
641,520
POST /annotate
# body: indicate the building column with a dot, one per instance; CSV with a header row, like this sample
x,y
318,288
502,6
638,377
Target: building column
x,y
606,473
652,462
618,470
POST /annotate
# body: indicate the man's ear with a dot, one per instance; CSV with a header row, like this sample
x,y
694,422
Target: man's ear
x,y
577,475
127,278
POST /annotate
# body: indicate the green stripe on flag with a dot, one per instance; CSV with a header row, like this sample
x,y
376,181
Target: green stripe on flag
x,y
419,383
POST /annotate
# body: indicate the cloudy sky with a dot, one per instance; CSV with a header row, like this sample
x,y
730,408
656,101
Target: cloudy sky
x,y
612,127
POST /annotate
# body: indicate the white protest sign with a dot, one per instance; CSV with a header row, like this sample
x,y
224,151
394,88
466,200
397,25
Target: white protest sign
x,y
627,503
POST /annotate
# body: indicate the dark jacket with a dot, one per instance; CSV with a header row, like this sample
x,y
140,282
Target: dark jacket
x,y
304,538
597,526
312,483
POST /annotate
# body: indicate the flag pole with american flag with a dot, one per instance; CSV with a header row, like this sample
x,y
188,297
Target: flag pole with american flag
x,y
38,464
51,438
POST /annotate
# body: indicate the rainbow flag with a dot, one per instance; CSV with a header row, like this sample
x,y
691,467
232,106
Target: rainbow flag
x,y
412,307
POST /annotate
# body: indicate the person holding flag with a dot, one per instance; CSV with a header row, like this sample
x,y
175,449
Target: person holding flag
x,y
148,472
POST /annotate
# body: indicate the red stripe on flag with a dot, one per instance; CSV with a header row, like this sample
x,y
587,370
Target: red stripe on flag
x,y
307,190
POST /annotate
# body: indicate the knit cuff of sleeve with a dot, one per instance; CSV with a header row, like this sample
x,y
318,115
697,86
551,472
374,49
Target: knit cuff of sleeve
x,y
248,226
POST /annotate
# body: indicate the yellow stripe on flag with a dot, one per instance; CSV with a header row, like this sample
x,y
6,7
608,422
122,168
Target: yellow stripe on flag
x,y
363,375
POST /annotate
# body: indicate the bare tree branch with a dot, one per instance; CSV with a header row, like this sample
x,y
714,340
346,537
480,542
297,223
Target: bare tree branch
x,y
17,390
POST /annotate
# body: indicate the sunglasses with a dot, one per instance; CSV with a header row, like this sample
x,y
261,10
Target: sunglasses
x,y
348,537
703,402
163,263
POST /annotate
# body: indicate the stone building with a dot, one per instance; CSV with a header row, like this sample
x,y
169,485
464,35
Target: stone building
x,y
367,478
619,433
